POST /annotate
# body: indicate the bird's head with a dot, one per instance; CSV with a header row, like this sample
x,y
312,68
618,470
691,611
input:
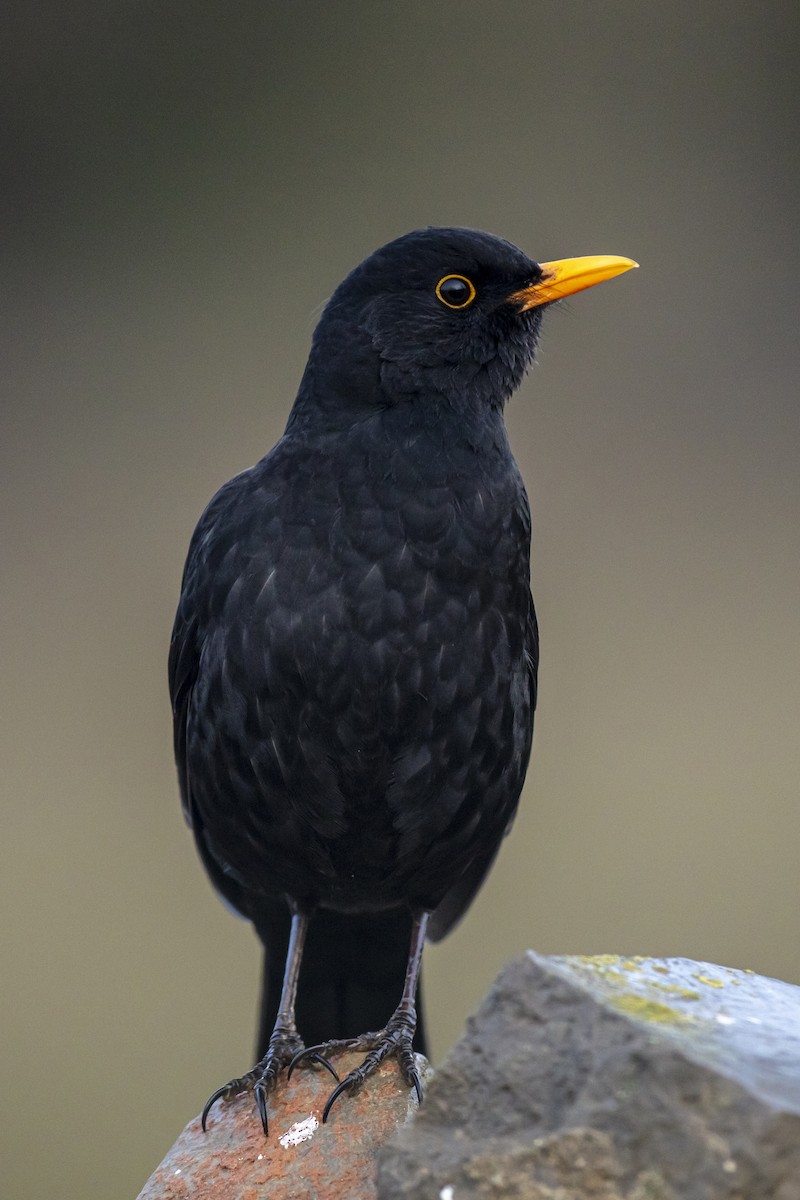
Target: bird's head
x,y
449,313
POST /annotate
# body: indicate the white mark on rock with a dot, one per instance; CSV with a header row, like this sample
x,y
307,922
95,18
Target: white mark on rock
x,y
729,1166
301,1131
177,1172
447,1192
722,1019
259,1158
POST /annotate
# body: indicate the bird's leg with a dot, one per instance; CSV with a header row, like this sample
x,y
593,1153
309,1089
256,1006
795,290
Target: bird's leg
x,y
395,1038
285,1042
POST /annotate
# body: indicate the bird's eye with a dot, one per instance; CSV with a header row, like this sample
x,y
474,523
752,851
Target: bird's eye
x,y
455,291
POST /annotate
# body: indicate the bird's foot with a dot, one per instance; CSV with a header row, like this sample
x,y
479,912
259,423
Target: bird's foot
x,y
395,1040
285,1046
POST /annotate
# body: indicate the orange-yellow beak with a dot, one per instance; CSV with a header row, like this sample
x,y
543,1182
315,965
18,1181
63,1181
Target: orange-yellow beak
x,y
568,275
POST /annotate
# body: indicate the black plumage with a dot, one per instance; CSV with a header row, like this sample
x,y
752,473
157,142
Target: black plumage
x,y
353,662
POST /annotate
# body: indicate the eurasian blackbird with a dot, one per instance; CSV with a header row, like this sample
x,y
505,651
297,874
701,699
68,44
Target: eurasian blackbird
x,y
353,662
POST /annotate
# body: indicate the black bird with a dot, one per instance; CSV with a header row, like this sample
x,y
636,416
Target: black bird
x,y
353,662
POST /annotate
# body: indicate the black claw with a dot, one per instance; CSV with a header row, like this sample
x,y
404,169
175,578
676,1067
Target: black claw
x,y
261,1101
346,1083
293,1063
312,1054
209,1104
417,1086
326,1063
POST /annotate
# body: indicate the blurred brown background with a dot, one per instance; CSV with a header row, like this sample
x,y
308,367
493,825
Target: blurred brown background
x,y
184,185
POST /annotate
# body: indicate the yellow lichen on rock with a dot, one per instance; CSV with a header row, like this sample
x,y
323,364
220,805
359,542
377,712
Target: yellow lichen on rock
x,y
598,960
675,989
648,1010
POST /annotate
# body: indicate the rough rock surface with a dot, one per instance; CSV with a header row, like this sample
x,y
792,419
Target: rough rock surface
x,y
302,1159
612,1079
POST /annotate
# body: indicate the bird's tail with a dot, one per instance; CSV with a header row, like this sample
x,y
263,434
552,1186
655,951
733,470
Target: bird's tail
x,y
351,978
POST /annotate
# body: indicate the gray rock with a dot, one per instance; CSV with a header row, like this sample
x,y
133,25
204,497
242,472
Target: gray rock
x,y
612,1079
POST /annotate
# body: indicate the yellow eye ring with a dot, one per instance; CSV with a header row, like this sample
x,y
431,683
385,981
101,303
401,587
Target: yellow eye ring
x,y
455,291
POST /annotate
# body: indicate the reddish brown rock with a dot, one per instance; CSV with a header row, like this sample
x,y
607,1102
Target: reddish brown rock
x,y
302,1159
